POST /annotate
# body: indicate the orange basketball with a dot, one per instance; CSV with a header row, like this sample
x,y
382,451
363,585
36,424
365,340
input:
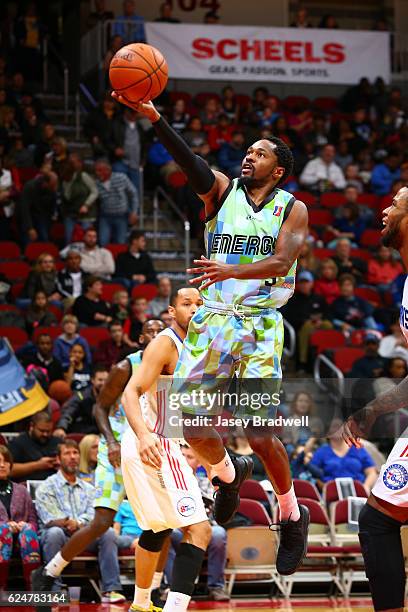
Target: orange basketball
x,y
60,391
138,72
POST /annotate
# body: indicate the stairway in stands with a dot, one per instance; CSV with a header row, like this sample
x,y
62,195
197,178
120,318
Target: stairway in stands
x,y
169,255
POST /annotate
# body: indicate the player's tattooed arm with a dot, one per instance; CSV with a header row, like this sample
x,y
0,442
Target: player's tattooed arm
x,y
292,235
359,424
109,394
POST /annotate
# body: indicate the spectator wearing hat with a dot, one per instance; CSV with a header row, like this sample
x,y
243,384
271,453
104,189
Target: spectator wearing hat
x,y
306,312
372,364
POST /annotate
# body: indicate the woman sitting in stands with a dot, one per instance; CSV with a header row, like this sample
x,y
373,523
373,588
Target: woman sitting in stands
x,y
18,524
78,373
43,277
38,314
327,284
88,447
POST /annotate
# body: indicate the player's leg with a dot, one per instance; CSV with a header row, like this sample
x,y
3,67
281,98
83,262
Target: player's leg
x,y
147,555
206,364
187,565
380,539
261,372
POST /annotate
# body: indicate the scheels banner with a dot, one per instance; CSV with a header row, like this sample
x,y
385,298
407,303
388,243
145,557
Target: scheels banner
x,y
250,53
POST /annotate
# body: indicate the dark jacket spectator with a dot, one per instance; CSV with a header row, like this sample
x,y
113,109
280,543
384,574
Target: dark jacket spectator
x,y
109,352
43,358
78,373
136,264
71,279
37,205
37,314
304,304
98,128
89,308
79,196
34,451
77,412
42,278
372,364
350,311
231,155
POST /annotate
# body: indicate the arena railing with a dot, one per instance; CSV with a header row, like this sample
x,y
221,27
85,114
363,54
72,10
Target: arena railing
x,y
48,50
159,192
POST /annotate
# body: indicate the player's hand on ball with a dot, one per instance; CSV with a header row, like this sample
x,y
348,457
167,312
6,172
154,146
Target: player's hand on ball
x,y
145,108
150,450
210,272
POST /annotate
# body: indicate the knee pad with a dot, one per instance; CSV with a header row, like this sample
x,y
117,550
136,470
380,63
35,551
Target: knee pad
x,y
153,542
381,548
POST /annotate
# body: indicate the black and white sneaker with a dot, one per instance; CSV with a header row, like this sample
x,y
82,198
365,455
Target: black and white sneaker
x,y
293,543
226,499
40,581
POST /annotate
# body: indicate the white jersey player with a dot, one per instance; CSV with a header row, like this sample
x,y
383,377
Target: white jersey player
x,y
160,485
386,510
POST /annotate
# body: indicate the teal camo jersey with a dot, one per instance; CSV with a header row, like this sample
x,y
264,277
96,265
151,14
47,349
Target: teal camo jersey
x,y
117,417
241,233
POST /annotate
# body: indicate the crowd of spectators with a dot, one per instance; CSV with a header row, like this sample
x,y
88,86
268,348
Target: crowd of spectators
x,y
83,304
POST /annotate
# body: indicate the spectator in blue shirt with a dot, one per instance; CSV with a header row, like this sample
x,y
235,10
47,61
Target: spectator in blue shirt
x,y
350,311
336,460
126,526
384,174
130,32
231,155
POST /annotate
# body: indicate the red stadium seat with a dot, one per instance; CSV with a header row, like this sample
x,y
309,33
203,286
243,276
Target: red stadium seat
x,y
146,290
369,294
57,233
9,250
370,238
35,249
292,102
243,101
109,290
56,311
331,199
9,308
201,98
324,339
331,495
16,290
306,489
180,95
320,216
252,489
115,249
344,358
305,196
325,104
52,330
16,336
176,179
362,254
368,199
15,270
95,335
322,253
255,511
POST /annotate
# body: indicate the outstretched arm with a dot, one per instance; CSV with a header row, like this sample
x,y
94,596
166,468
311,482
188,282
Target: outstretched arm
x,y
292,235
359,424
207,184
109,394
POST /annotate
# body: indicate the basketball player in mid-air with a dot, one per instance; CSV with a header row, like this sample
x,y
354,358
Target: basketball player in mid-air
x,y
386,509
255,231
160,485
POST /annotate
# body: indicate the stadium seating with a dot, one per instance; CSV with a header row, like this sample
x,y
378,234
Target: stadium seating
x,y
95,335
35,249
343,358
306,489
53,330
320,217
332,199
15,270
109,290
147,290
16,336
330,493
370,238
324,339
116,249
369,294
255,511
9,250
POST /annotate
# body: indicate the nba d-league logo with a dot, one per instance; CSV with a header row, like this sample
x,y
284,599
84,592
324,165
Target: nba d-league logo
x,y
395,477
186,506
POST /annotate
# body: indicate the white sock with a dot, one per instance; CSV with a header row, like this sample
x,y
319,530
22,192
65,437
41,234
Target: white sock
x,y
176,602
224,469
142,598
288,506
157,578
56,565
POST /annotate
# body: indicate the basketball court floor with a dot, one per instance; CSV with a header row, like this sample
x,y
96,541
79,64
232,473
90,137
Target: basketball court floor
x,y
294,605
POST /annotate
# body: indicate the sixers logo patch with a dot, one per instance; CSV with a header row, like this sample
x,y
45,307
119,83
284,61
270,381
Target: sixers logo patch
x,y
186,506
395,477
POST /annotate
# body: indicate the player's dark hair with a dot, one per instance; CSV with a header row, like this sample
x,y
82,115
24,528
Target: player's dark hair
x,y
284,155
174,295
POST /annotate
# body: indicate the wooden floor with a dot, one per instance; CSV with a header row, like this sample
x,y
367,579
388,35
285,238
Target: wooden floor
x,y
294,605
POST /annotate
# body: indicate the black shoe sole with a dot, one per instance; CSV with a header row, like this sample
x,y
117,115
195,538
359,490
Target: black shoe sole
x,y
287,572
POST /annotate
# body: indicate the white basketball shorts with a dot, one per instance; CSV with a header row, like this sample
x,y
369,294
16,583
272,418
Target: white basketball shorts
x,y
168,498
